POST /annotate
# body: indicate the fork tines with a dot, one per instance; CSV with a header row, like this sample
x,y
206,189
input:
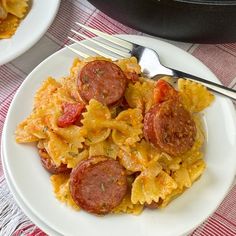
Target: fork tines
x,y
110,44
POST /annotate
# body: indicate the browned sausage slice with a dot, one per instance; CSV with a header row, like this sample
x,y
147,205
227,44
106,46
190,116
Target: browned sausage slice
x,y
174,128
98,184
50,166
148,129
153,205
103,81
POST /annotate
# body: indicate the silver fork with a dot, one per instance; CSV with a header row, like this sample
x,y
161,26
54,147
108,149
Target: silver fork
x,y
148,58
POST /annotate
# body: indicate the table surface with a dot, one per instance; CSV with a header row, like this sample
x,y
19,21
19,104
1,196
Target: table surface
x,y
220,58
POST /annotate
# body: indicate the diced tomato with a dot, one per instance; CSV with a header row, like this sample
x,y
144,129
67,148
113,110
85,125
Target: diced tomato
x,y
71,114
164,91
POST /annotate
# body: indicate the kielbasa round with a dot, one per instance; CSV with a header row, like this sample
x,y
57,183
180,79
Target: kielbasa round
x,y
170,127
153,205
98,184
148,129
50,166
103,81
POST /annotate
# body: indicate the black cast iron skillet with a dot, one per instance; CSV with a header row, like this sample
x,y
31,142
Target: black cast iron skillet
x,y
190,21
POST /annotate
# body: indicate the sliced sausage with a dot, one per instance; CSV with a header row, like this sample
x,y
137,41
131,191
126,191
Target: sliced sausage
x,y
148,129
98,184
50,166
153,205
71,114
174,128
103,81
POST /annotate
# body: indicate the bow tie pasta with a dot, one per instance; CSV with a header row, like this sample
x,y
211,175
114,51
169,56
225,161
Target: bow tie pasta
x,y
11,13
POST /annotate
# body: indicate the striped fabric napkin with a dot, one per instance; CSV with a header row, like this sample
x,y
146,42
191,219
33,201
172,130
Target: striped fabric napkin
x,y
221,59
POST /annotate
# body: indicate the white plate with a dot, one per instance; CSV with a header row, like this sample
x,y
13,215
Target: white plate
x,y
30,30
21,204
32,183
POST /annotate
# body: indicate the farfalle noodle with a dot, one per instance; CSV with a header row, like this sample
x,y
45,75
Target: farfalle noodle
x,y
126,206
16,7
140,95
104,148
60,184
3,12
93,122
152,184
127,129
138,157
11,12
194,96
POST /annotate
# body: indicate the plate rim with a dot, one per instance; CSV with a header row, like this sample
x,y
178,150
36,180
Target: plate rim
x,y
21,204
230,104
27,46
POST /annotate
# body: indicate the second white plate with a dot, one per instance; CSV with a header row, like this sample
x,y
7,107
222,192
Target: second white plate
x,y
21,204
30,30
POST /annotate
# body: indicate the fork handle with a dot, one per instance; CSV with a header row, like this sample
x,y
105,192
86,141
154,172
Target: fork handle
x,y
218,88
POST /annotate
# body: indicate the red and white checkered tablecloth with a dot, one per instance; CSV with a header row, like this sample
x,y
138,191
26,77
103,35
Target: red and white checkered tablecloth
x,y
221,59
